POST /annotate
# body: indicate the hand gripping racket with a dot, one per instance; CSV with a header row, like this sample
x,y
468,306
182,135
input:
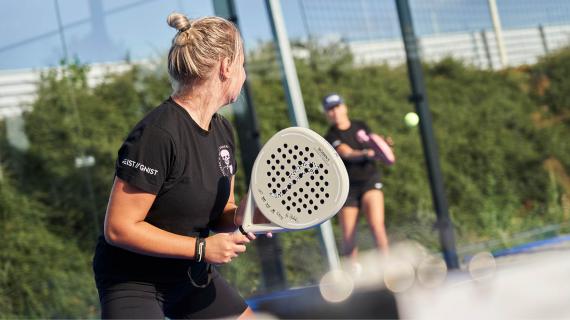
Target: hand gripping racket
x,y
298,181
381,148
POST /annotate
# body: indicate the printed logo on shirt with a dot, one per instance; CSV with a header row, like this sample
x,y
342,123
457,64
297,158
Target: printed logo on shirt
x,y
139,166
225,162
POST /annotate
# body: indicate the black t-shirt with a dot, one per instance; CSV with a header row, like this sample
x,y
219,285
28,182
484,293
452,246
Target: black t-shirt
x,y
188,169
358,170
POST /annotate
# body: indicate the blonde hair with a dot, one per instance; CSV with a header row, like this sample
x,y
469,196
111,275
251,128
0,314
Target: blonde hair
x,y
199,45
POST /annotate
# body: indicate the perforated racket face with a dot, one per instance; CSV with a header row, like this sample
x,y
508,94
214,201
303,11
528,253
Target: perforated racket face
x,y
298,179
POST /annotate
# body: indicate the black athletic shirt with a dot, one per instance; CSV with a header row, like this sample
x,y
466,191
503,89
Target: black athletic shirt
x,y
188,168
358,170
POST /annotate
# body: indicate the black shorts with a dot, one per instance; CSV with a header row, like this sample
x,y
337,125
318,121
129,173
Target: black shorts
x,y
175,300
359,188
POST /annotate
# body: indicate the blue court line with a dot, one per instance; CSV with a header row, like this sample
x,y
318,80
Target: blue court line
x,y
531,245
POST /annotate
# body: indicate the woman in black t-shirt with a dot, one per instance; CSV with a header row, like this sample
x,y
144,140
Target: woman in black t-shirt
x,y
174,183
365,187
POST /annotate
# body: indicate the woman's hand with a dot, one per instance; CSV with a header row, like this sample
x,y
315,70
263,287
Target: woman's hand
x,y
221,248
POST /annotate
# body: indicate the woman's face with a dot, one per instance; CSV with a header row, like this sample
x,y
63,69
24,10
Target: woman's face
x,y
237,78
337,114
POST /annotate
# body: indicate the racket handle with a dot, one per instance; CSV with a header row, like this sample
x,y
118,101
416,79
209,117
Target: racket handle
x,y
249,226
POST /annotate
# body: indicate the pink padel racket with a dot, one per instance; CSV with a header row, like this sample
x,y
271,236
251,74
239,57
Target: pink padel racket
x,y
381,148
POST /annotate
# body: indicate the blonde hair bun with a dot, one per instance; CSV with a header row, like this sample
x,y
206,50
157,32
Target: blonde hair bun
x,y
178,21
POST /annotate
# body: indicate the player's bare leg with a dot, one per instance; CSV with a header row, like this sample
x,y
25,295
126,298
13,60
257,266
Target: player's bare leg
x,y
348,218
373,206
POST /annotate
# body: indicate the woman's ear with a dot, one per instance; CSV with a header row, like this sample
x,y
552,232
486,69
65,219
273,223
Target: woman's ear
x,y
225,68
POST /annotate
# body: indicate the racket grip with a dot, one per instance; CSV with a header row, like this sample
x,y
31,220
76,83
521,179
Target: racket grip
x,y
260,228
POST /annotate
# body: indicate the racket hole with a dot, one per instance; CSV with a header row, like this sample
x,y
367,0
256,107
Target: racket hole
x,y
272,167
282,167
312,189
289,198
272,156
321,165
304,206
312,177
288,186
268,174
294,167
288,160
295,157
310,212
290,151
326,183
322,201
317,196
306,148
300,200
293,204
273,179
322,189
279,150
317,183
306,159
284,191
269,185
278,185
298,209
286,173
282,179
306,196
295,194
322,178
311,154
283,202
300,153
316,208
310,201
294,181
326,171
316,171
300,175
268,161
274,191
288,208
278,173
296,147
327,195
285,146
277,161
306,170
300,189
307,183
283,156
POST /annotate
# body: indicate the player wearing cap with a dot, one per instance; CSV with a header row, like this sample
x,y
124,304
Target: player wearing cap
x,y
365,187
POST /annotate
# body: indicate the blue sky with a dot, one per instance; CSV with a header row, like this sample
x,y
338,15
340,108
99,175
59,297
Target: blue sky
x,y
29,36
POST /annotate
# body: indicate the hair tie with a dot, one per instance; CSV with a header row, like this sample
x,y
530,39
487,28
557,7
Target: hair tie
x,y
185,28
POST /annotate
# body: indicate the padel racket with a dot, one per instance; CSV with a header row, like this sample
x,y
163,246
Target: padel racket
x,y
381,148
298,181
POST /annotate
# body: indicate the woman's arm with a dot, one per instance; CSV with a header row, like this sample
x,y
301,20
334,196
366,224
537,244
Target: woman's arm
x,y
125,228
347,153
226,222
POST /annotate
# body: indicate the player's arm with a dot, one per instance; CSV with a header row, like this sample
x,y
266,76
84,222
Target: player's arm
x,y
226,222
350,154
125,226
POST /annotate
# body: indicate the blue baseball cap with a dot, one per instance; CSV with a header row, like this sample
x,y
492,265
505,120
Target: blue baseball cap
x,y
331,100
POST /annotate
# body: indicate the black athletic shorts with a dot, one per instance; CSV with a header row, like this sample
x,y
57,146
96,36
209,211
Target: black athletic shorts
x,y
359,188
175,300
